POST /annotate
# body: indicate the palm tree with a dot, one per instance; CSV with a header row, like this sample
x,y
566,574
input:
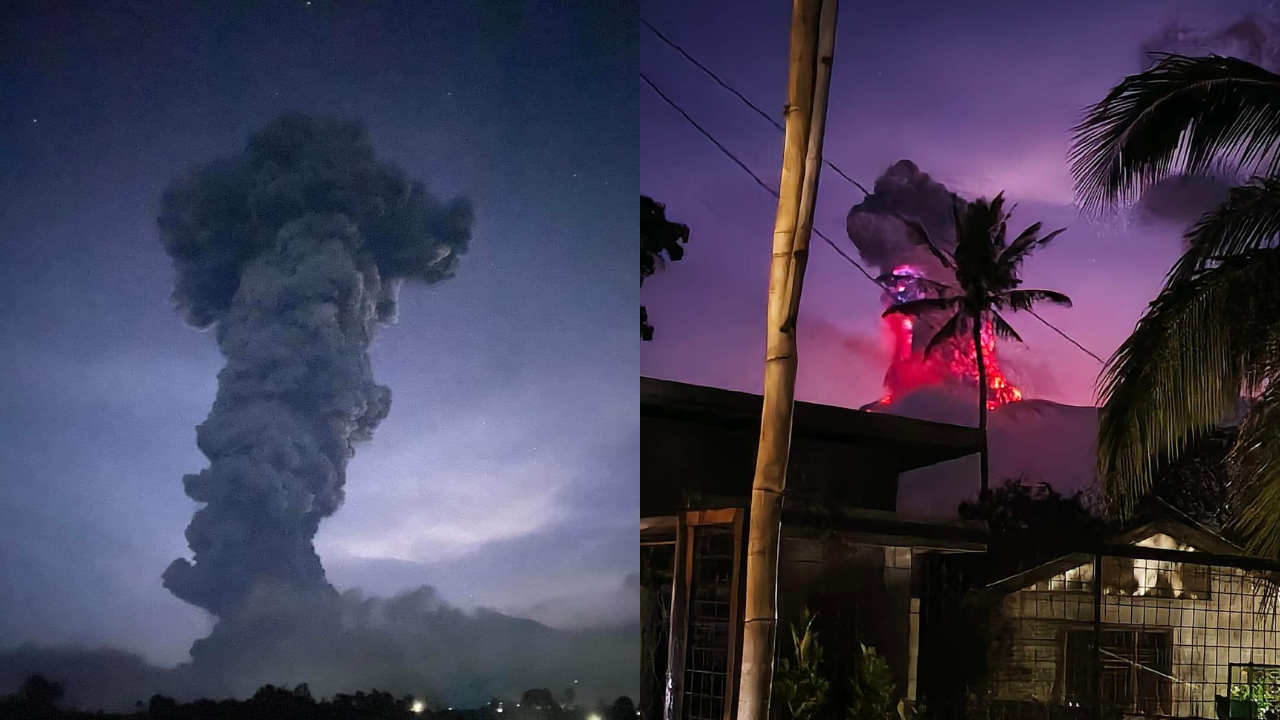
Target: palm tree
x,y
1211,334
986,268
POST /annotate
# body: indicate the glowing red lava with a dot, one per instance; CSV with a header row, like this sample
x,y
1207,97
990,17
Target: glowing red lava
x,y
949,361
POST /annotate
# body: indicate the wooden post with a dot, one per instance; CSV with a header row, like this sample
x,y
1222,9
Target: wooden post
x,y
735,611
677,625
797,192
1097,637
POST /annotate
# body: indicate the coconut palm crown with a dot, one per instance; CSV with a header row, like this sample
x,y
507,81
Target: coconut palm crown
x,y
986,267
1210,337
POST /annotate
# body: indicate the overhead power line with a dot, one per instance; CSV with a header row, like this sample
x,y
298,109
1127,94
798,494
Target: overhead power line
x,y
729,154
742,97
1068,338
774,192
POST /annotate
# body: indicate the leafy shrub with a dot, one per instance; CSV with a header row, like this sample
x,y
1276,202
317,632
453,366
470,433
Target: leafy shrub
x,y
800,682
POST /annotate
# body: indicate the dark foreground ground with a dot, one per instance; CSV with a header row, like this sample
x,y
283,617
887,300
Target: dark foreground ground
x,y
38,700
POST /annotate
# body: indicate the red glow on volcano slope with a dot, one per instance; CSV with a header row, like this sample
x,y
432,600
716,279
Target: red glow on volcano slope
x,y
950,361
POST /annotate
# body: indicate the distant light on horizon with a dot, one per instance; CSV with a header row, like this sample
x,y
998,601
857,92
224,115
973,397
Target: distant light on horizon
x,y
418,706
594,716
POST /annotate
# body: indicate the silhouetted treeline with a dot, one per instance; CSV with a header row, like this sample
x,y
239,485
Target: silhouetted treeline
x,y
39,699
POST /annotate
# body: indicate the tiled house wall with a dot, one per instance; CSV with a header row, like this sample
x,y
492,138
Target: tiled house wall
x,y
1206,635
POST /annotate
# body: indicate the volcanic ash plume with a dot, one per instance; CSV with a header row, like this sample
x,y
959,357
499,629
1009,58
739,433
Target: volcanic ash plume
x,y
875,225
910,271
295,251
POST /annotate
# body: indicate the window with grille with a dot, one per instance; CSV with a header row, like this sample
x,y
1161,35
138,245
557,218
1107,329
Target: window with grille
x,y
710,603
1136,670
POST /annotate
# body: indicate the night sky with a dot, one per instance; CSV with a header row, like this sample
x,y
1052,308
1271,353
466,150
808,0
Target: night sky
x,y
506,472
981,96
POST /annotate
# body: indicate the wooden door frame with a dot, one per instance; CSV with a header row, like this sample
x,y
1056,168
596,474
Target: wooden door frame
x,y
685,525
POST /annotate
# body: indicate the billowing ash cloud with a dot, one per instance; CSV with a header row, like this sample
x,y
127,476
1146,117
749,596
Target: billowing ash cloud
x,y
295,250
1253,37
413,643
1181,200
876,228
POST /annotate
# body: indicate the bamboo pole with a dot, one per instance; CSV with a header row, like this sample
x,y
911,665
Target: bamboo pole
x,y
802,152
812,164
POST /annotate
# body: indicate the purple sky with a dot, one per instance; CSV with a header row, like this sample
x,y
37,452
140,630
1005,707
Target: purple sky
x,y
506,472
981,96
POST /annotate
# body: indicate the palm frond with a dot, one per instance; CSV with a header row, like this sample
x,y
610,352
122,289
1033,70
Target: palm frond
x,y
1025,244
916,308
952,328
1182,115
1183,368
1003,328
996,208
1027,236
1248,220
1023,300
1257,488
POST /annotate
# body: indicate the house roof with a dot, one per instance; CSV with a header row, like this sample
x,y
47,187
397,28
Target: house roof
x,y
909,442
698,450
1159,517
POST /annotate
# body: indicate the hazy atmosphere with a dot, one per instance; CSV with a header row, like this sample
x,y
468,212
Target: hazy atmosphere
x,y
503,475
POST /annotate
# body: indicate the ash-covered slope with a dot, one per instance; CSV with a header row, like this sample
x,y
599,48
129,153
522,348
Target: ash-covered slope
x,y
1039,440
411,643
